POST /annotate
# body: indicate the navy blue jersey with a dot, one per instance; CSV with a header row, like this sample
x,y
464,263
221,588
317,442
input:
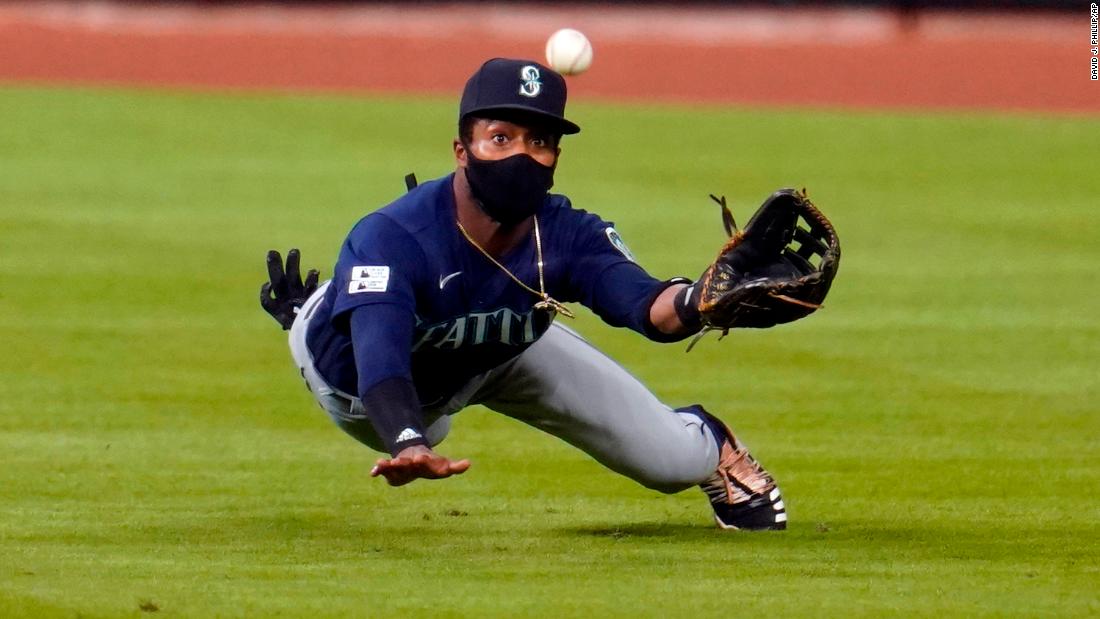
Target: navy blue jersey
x,y
441,313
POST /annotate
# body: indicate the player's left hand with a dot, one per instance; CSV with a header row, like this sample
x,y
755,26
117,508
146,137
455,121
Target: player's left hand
x,y
417,462
286,292
778,269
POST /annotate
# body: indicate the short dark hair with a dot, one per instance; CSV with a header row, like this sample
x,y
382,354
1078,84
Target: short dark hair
x,y
466,129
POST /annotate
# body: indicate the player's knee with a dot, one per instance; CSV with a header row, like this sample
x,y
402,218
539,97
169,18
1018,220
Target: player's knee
x,y
362,431
675,478
667,486
360,428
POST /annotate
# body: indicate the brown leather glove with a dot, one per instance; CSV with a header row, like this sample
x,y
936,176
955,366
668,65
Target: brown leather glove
x,y
777,269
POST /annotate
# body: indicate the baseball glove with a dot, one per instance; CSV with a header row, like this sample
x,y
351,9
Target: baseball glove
x,y
777,269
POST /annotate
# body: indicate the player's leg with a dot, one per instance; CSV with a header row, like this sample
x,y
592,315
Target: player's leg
x,y
345,410
565,386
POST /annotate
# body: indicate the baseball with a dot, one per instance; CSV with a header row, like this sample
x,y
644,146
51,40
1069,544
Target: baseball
x,y
569,52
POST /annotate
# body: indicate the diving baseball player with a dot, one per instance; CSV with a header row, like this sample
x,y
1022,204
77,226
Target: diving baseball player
x,y
452,295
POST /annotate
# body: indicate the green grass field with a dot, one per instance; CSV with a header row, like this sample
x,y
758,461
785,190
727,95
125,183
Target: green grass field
x,y
935,429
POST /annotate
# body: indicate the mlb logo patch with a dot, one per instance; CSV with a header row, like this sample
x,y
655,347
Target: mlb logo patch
x,y
369,279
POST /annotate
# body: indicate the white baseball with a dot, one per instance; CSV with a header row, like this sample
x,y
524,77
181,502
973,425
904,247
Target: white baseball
x,y
569,52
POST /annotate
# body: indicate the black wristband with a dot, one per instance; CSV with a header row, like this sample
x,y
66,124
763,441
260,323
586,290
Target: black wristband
x,y
394,410
651,330
686,305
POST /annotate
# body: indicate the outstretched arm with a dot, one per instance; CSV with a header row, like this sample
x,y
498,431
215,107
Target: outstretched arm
x,y
671,314
380,341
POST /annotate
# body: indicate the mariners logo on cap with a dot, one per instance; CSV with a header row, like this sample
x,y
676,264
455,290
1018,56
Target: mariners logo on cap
x,y
531,84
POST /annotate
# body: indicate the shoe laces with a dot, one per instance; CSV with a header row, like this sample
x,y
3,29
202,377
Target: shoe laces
x,y
738,477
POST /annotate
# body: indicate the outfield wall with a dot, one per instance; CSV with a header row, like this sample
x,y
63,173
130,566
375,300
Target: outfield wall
x,y
864,57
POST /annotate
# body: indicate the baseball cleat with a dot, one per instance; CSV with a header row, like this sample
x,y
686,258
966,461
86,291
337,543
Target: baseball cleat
x,y
743,495
761,513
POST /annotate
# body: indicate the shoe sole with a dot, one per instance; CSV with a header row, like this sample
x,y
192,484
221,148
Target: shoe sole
x,y
779,526
777,504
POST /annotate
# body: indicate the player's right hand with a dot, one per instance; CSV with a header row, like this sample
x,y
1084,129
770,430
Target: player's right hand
x,y
285,293
417,462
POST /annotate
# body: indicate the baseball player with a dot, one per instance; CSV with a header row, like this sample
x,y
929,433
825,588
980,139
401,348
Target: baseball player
x,y
453,294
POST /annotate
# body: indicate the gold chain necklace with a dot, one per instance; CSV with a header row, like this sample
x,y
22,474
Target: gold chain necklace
x,y
547,302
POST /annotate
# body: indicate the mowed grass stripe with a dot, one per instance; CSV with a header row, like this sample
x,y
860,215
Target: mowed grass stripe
x,y
933,428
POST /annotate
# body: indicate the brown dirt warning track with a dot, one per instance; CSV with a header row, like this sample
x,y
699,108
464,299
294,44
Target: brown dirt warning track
x,y
803,57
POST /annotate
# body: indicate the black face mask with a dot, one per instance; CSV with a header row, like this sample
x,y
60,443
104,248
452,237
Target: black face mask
x,y
509,190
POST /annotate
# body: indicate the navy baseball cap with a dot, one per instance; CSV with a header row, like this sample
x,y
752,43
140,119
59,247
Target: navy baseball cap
x,y
525,86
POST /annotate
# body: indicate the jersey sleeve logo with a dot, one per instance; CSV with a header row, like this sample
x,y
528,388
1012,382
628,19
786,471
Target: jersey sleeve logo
x,y
618,243
369,279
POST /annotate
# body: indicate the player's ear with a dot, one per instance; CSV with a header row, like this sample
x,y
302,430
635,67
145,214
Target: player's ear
x,y
460,152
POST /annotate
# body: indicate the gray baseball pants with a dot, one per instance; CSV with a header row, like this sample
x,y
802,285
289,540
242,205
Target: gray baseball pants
x,y
564,386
